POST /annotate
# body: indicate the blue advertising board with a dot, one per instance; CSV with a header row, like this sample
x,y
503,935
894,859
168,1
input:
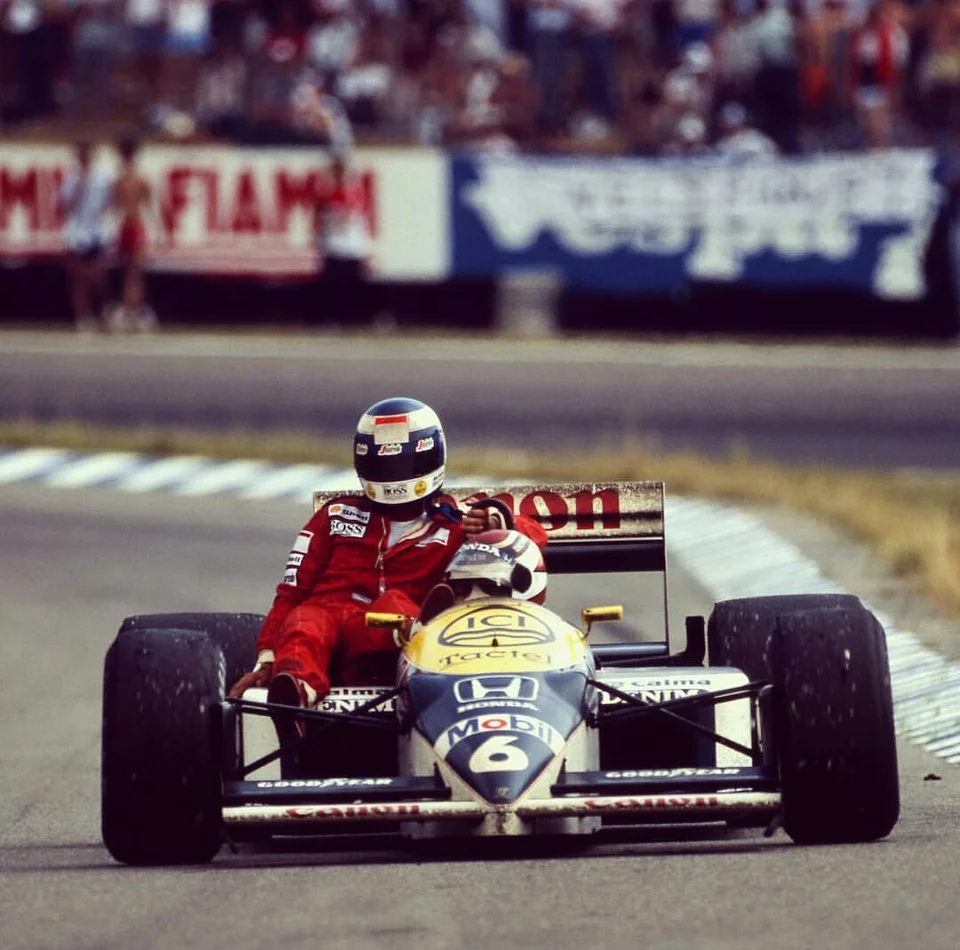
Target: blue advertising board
x,y
655,226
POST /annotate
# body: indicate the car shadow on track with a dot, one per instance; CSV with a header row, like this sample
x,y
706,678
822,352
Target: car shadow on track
x,y
387,849
375,849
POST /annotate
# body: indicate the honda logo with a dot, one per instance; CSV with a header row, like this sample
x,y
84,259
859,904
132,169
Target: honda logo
x,y
495,687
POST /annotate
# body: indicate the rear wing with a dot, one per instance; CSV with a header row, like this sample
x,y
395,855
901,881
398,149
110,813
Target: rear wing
x,y
597,527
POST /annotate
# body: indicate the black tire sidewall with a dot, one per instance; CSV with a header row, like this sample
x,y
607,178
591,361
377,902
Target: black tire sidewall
x,y
834,726
160,768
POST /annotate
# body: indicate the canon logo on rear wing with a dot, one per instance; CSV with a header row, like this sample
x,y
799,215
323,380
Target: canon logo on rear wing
x,y
573,510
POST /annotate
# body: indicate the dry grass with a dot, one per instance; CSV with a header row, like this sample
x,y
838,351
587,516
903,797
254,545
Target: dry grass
x,y
911,521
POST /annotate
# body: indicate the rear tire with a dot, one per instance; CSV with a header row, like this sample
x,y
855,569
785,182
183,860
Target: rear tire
x,y
834,726
739,631
160,767
236,634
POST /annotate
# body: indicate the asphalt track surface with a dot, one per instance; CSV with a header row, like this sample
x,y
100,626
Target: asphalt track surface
x,y
867,406
76,562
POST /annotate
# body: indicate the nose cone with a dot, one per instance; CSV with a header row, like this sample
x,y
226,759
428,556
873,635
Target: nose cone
x,y
499,754
497,732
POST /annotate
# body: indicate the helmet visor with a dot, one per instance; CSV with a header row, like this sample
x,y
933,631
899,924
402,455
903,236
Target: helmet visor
x,y
394,461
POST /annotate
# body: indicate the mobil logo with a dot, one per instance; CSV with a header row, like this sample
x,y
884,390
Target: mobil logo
x,y
477,688
498,723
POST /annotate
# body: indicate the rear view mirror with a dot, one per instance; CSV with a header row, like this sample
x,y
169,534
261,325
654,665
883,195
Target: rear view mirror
x,y
592,615
399,623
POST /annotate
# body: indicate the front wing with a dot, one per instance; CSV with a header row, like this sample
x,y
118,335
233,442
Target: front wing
x,y
640,797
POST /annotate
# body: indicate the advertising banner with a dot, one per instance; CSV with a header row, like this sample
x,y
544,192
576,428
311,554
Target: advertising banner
x,y
654,226
229,211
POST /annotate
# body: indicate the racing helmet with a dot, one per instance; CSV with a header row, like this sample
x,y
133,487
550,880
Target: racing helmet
x,y
399,452
498,564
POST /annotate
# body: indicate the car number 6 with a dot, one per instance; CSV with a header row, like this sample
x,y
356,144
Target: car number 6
x,y
497,754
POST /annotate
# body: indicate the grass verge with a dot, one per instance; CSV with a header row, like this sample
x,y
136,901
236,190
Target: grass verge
x,y
911,521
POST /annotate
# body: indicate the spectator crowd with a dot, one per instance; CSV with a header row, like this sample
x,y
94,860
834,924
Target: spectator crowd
x,y
642,77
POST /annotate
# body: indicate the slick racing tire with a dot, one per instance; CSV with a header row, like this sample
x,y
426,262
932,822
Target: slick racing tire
x,y
833,726
236,634
160,766
739,631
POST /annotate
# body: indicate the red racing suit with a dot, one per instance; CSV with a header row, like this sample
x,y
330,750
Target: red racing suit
x,y
339,569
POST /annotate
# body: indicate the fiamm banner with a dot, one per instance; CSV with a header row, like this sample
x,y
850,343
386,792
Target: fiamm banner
x,y
647,226
231,211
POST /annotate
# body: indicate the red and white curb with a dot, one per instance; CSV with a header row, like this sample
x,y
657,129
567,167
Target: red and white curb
x,y
701,537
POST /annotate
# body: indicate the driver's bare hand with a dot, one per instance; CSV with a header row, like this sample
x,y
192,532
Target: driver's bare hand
x,y
258,678
476,520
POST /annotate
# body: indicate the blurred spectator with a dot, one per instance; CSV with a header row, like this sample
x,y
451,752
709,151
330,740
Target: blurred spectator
x,y
938,72
277,68
188,27
663,26
688,139
477,119
318,117
880,54
83,201
644,119
364,85
941,261
600,74
548,30
688,89
736,55
130,198
696,21
492,15
517,99
827,47
599,23
333,41
344,293
777,92
97,37
437,97
222,92
738,141
32,31
498,104
147,21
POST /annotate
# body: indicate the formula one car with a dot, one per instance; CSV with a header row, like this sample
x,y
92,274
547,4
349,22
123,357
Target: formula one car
x,y
504,720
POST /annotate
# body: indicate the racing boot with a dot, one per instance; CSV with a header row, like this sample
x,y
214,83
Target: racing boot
x,y
286,690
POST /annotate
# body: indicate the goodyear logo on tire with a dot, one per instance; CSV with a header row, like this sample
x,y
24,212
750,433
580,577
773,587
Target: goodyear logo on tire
x,y
507,625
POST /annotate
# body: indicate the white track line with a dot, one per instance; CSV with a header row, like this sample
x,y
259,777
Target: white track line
x,y
225,477
22,465
289,480
93,470
165,473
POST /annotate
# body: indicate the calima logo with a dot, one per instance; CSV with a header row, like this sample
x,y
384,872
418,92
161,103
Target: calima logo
x,y
506,625
495,687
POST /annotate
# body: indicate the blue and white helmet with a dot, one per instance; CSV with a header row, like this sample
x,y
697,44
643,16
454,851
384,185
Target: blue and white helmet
x,y
399,452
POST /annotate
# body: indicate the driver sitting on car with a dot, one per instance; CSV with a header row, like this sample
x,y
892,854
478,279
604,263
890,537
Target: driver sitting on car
x,y
494,563
382,551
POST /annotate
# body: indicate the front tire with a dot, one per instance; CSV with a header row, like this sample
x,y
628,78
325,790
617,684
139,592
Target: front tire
x,y
834,726
160,766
